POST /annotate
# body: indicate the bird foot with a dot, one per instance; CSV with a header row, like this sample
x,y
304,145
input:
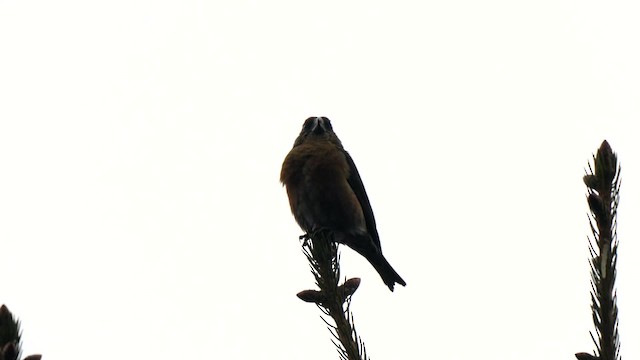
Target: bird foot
x,y
305,239
322,231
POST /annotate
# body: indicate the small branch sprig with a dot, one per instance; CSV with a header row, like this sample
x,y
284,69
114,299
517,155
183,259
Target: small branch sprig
x,y
10,347
603,196
332,299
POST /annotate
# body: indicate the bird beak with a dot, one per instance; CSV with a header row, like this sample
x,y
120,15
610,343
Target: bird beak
x,y
317,127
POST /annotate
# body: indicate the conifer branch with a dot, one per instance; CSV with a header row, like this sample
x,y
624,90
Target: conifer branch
x,y
10,346
603,197
333,300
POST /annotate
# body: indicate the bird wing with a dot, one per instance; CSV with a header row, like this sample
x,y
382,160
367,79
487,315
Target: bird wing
x,y
355,182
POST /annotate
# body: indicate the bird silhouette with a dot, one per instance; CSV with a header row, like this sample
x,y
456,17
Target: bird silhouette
x,y
326,193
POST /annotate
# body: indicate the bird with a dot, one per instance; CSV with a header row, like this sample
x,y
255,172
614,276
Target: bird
x,y
326,193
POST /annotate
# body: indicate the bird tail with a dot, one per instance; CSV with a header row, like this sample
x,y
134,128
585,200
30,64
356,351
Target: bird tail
x,y
386,271
373,254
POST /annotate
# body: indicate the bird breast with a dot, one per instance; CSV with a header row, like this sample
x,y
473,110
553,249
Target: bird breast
x,y
320,196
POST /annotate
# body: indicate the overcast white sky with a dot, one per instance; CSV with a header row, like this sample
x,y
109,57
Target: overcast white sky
x,y
141,215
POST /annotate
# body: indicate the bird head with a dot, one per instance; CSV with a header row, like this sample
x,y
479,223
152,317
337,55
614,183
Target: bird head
x,y
317,128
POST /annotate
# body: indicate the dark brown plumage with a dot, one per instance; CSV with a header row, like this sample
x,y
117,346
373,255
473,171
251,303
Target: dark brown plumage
x,y
326,192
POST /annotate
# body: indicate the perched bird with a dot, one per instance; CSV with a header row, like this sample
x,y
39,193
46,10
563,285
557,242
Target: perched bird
x,y
326,193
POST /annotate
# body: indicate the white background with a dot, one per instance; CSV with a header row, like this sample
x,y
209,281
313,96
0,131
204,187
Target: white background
x,y
141,215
